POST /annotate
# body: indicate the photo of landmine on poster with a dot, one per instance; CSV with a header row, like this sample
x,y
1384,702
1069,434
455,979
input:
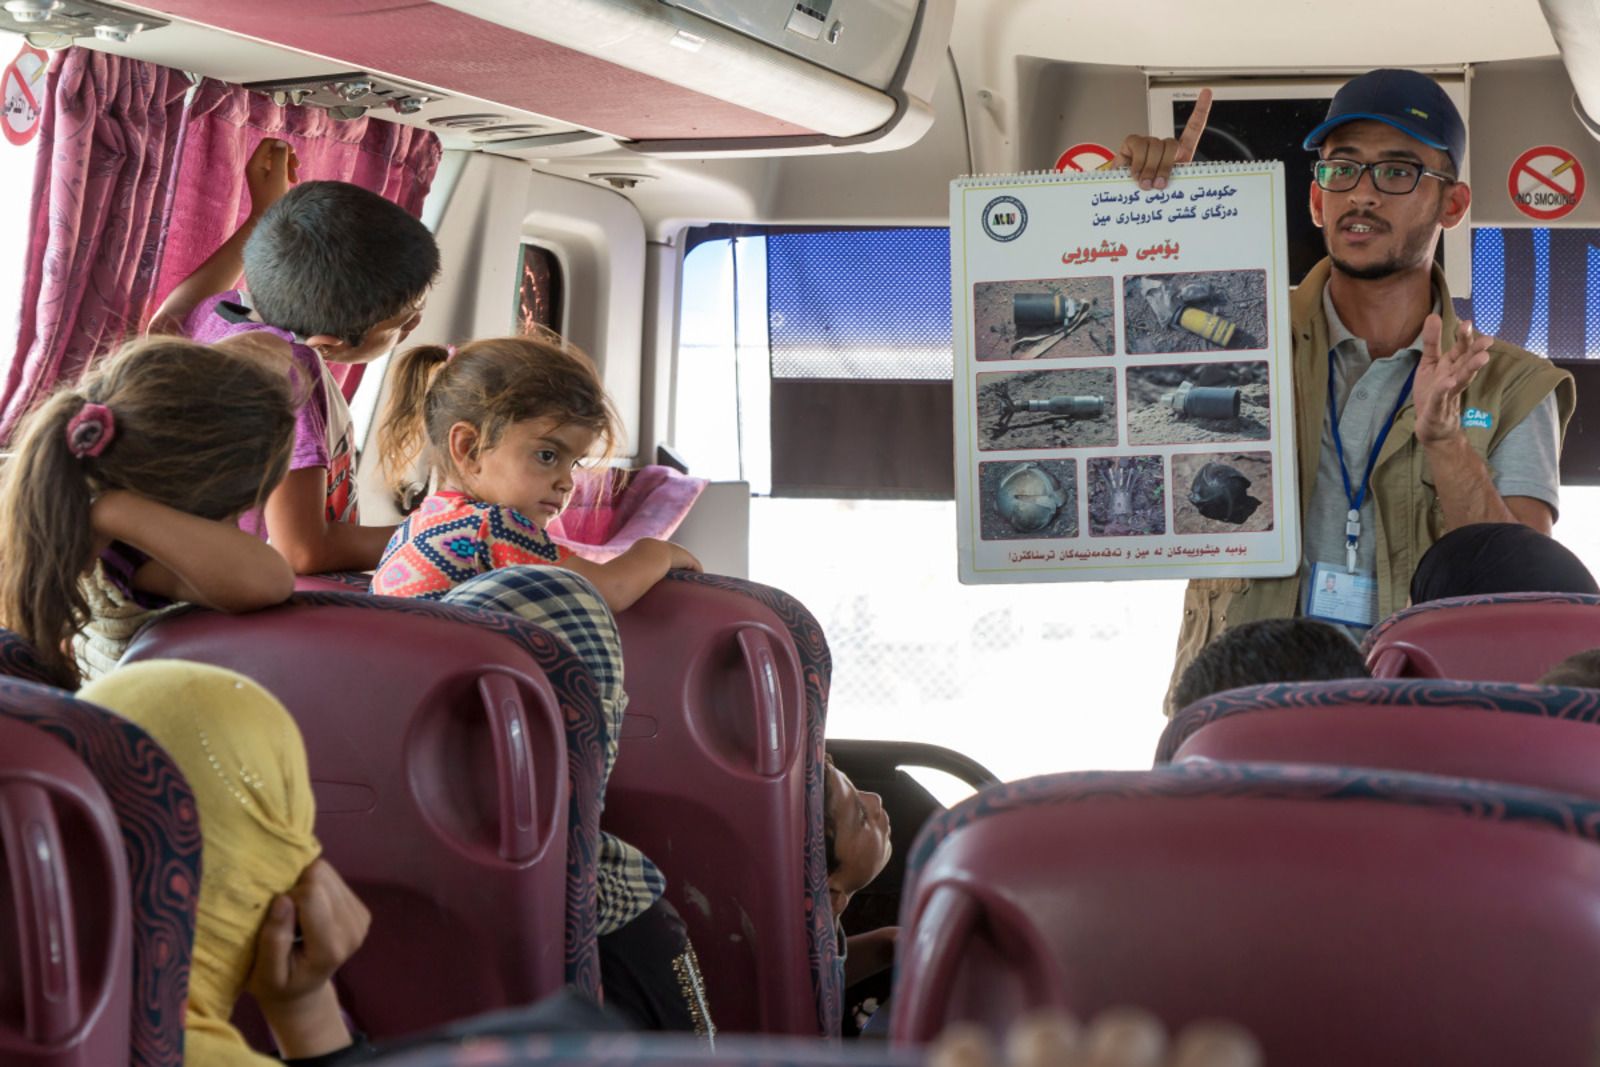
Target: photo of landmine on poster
x,y
1123,404
1047,318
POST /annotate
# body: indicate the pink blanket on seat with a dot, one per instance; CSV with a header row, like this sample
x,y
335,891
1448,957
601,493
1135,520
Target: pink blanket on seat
x,y
611,509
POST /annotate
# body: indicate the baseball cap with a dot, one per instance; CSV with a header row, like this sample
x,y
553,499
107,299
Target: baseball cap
x,y
1412,103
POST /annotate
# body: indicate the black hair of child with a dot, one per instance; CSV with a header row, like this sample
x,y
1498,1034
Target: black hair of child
x,y
332,258
1268,651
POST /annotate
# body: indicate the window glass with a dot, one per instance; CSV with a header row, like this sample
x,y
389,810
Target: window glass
x,y
1025,679
721,423
860,304
539,290
1538,288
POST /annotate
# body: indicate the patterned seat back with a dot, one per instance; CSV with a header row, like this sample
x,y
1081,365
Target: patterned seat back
x,y
64,899
1343,916
160,839
334,582
720,782
1509,637
1541,736
456,760
665,1050
19,660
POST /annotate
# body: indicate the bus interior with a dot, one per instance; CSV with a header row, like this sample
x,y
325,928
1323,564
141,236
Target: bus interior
x,y
740,210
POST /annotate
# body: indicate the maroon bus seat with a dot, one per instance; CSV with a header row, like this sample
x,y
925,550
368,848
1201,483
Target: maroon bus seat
x,y
456,761
667,1050
1542,736
66,968
160,842
719,781
1342,916
1508,637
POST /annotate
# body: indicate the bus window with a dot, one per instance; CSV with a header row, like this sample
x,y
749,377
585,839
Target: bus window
x,y
1540,288
539,291
1024,679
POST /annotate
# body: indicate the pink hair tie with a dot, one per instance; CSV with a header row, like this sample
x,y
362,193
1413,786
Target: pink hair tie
x,y
90,430
449,353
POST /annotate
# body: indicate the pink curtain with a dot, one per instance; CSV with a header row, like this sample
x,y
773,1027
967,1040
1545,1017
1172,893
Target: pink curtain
x,y
224,125
108,143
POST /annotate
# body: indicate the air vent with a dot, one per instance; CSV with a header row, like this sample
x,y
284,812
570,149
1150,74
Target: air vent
x,y
348,96
468,122
619,180
510,129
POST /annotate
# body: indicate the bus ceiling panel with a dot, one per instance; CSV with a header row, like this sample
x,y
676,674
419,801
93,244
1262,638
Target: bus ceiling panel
x,y
214,54
910,187
858,73
1575,25
501,54
1290,38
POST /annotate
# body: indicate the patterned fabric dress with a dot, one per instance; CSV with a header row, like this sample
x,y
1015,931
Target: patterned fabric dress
x,y
452,538
324,431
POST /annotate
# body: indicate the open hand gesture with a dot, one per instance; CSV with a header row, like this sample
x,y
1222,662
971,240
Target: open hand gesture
x,y
1443,376
1151,159
269,172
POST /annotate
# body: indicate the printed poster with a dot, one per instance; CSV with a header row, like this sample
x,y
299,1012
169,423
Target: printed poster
x,y
1123,403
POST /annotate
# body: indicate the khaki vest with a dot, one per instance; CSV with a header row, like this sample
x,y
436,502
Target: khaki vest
x,y
1409,517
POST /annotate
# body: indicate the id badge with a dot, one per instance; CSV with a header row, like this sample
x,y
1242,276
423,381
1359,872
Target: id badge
x,y
1341,597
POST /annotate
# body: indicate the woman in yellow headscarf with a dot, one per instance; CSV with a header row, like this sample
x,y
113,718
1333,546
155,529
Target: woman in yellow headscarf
x,y
260,872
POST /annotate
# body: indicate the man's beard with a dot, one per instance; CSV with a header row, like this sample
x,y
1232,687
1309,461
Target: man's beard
x,y
1414,251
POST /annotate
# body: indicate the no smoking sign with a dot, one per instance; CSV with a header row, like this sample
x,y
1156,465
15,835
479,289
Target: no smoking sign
x,y
1084,157
1546,183
21,88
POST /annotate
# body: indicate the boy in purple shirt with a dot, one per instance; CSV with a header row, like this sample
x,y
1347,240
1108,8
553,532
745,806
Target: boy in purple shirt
x,y
334,273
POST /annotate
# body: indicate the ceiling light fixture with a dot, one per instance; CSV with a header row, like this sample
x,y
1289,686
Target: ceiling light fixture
x,y
56,23
31,11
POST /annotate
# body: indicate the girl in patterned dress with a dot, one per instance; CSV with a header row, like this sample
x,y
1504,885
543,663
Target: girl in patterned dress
x,y
121,495
502,423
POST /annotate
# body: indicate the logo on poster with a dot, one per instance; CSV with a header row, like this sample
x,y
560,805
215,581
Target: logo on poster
x,y
1004,218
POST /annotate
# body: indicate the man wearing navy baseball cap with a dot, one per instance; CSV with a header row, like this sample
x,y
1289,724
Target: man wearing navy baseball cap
x,y
1408,423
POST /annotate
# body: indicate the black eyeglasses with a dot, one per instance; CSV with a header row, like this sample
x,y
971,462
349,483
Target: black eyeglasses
x,y
1393,176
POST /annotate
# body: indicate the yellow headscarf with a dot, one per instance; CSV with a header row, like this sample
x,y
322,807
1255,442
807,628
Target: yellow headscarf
x,y
245,761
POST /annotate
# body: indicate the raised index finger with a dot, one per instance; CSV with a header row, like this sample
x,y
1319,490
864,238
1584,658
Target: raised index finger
x,y
1189,140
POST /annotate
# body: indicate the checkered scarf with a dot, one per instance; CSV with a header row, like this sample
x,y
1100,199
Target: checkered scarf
x,y
567,606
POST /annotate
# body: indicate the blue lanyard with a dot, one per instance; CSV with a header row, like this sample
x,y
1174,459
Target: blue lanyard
x,y
1357,496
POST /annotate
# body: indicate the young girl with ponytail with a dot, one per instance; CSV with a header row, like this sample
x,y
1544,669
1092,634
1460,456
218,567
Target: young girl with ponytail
x,y
503,424
121,494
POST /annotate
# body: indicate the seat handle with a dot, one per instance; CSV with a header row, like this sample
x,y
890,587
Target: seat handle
x,y
954,916
52,998
515,776
1388,662
761,668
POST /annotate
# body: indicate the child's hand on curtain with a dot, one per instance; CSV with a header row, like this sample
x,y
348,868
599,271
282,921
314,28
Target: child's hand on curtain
x,y
271,169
